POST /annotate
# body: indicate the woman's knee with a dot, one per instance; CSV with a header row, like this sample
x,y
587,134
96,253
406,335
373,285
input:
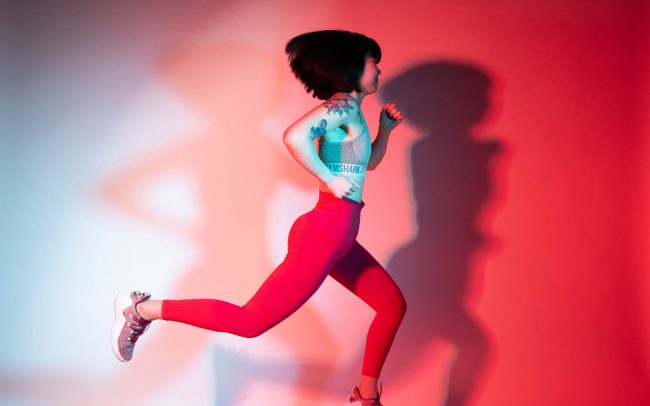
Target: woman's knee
x,y
400,304
394,307
253,330
253,326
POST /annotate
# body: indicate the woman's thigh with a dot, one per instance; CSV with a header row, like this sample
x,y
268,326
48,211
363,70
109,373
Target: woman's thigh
x,y
314,246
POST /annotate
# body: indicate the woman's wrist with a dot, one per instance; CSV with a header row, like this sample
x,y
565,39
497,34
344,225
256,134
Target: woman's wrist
x,y
383,132
327,178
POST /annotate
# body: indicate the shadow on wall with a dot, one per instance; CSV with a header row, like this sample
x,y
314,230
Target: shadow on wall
x,y
230,238
453,186
231,261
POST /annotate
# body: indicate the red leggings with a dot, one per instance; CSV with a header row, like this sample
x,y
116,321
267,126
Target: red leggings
x,y
321,242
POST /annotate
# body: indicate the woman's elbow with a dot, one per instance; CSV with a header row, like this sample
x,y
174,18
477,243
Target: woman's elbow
x,y
289,137
294,140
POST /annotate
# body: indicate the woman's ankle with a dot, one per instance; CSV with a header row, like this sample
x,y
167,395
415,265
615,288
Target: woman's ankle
x,y
149,310
368,393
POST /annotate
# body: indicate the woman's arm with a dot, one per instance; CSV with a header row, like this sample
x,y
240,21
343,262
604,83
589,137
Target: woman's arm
x,y
378,149
389,118
299,137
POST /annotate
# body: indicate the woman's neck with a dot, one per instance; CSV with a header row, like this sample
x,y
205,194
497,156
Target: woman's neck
x,y
357,96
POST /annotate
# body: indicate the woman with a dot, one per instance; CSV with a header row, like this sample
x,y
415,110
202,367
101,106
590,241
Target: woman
x,y
340,68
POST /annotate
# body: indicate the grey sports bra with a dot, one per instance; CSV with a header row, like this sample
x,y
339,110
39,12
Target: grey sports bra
x,y
346,157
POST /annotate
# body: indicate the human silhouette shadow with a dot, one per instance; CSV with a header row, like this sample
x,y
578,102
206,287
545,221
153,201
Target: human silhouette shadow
x,y
234,168
454,185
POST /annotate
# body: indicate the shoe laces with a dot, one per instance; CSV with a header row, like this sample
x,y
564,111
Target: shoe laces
x,y
138,325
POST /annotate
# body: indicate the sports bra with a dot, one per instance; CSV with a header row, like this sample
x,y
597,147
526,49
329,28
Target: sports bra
x,y
348,156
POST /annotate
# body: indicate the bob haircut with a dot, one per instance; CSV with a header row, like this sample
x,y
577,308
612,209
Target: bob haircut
x,y
330,61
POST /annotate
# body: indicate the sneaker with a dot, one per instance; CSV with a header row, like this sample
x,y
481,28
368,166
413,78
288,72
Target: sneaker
x,y
128,325
356,397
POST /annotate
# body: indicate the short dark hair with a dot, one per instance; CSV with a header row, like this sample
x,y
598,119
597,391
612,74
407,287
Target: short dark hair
x,y
330,61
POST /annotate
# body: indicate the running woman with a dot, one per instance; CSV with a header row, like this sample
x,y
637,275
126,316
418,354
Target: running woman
x,y
340,68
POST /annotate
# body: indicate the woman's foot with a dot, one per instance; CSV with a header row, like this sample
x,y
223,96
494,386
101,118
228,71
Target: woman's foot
x,y
356,397
128,325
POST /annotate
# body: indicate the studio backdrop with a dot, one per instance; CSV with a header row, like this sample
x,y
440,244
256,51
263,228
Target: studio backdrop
x,y
142,149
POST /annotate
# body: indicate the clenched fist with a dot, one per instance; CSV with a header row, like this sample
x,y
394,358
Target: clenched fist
x,y
389,118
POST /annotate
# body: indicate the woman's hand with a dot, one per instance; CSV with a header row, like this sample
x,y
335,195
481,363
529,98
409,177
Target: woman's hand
x,y
342,186
389,118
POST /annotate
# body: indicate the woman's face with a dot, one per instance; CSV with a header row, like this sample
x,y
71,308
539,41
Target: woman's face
x,y
369,78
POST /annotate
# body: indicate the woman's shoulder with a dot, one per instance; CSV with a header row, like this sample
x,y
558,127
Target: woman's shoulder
x,y
341,104
342,96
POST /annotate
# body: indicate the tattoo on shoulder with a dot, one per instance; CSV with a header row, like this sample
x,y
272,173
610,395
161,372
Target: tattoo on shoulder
x,y
338,106
320,130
